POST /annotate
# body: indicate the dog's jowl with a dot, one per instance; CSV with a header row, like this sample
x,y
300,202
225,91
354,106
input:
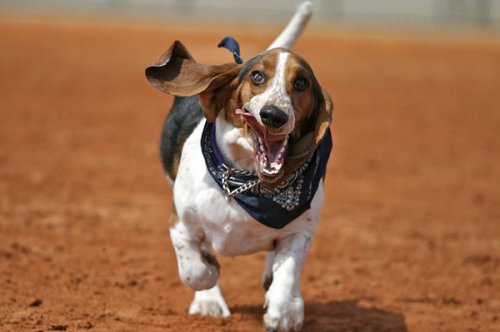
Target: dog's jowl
x,y
245,147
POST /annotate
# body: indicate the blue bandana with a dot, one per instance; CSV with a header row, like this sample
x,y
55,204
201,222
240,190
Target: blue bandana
x,y
274,207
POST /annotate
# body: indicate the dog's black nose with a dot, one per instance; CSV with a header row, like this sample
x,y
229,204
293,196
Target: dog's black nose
x,y
273,117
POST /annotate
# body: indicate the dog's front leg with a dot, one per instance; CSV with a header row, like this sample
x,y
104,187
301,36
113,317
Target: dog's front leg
x,y
198,269
285,306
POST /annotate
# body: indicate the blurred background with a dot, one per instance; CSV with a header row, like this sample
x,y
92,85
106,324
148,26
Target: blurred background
x,y
409,236
457,14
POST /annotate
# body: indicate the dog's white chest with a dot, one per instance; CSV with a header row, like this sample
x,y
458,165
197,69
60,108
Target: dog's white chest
x,y
201,205
223,224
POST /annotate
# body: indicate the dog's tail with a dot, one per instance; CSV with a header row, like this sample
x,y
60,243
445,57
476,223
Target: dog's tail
x,y
292,31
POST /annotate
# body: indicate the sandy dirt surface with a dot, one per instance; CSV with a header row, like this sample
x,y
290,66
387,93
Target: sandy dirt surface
x,y
409,238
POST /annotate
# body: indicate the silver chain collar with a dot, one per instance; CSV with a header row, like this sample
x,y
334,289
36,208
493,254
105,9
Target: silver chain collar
x,y
240,187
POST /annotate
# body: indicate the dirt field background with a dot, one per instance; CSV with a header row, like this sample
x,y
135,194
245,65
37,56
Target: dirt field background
x,y
409,239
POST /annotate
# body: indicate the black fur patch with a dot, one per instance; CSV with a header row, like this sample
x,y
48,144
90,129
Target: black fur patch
x,y
184,116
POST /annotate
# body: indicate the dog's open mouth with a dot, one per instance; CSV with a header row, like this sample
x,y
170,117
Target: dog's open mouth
x,y
270,148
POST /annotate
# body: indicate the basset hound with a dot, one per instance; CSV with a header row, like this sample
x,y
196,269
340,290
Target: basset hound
x,y
245,148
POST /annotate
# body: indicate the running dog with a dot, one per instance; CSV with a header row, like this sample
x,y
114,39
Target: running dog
x,y
245,147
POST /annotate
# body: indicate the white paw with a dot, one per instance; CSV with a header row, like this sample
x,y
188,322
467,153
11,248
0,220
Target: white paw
x,y
284,314
198,274
209,303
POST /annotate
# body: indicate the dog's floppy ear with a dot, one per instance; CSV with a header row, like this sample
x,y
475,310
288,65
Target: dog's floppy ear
x,y
178,74
324,117
308,143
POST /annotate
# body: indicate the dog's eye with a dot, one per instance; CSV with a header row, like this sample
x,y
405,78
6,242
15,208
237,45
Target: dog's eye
x,y
258,77
300,83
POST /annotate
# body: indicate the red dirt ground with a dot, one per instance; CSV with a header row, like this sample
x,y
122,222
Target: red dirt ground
x,y
409,238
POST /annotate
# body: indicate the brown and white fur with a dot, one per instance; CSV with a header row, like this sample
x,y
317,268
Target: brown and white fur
x,y
271,143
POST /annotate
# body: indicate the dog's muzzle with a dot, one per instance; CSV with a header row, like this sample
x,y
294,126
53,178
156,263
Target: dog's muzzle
x,y
272,117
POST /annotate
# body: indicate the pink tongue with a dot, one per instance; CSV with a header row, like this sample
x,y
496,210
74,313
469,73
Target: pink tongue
x,y
272,143
272,150
252,122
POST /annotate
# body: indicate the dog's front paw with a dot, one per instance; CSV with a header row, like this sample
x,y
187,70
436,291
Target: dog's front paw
x,y
209,303
284,314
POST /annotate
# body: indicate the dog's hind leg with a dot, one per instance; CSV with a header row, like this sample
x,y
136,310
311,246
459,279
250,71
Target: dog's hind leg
x,y
209,302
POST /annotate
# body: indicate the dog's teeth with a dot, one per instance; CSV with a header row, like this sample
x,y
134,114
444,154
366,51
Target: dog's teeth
x,y
271,168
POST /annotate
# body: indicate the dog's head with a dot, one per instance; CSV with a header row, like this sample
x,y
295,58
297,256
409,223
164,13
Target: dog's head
x,y
275,94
